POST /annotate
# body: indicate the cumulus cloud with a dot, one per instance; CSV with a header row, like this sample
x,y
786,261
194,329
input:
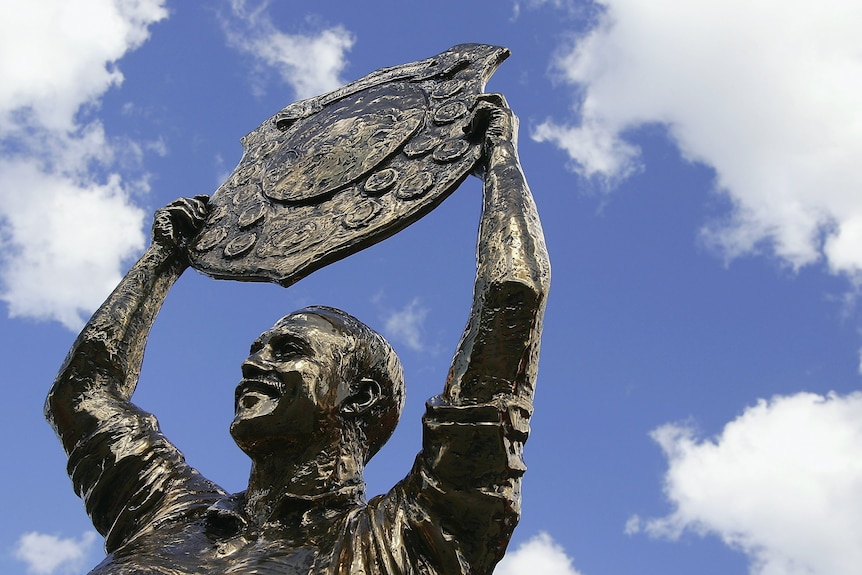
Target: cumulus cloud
x,y
67,215
781,483
49,554
765,92
71,48
67,241
311,64
540,554
405,325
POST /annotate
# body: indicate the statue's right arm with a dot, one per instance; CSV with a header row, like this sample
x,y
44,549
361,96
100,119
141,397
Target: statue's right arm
x,y
119,462
105,360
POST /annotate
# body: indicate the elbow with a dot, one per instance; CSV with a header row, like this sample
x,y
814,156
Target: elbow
x,y
60,397
86,365
523,273
516,303
74,407
64,397
540,275
59,408
518,255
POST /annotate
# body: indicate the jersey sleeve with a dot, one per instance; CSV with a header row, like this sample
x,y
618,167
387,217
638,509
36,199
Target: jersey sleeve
x,y
131,478
456,510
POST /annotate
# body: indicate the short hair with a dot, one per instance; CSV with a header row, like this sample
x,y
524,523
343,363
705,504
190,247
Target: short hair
x,y
369,357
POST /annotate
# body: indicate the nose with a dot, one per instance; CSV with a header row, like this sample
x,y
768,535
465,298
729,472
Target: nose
x,y
256,364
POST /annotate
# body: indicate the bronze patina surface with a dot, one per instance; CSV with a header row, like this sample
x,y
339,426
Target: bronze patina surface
x,y
321,392
328,176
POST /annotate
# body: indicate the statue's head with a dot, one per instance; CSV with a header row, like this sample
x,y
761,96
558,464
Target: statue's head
x,y
316,377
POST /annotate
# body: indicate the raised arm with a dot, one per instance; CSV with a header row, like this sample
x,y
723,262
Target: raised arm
x,y
105,359
499,350
469,471
128,474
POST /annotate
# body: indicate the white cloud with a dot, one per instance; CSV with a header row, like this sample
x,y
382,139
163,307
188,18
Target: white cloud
x,y
538,555
67,241
763,91
782,483
310,63
71,47
405,325
67,217
49,554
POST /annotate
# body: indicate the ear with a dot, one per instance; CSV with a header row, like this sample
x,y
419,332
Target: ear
x,y
366,395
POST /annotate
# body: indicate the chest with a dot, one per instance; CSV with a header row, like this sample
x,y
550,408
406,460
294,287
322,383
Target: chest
x,y
190,551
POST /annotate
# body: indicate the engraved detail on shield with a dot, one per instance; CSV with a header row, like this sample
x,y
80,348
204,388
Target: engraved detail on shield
x,y
289,240
421,144
265,150
245,194
379,182
239,245
361,215
449,112
217,214
248,173
415,186
450,150
210,239
252,215
344,142
447,89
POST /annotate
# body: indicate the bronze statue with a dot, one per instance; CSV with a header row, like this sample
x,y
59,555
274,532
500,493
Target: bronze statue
x,y
320,393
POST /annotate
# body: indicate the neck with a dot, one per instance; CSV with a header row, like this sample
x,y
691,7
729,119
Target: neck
x,y
307,473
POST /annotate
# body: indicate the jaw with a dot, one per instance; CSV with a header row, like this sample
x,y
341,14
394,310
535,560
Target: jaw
x,y
255,408
286,426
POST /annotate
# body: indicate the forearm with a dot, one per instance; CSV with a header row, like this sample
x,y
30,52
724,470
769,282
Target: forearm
x,y
116,334
498,352
105,360
511,245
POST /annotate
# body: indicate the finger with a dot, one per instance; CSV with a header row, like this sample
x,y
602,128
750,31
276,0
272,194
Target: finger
x,y
495,99
182,213
201,203
193,208
481,119
492,121
163,224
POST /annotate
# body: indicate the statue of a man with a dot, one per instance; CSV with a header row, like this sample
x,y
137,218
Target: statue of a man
x,y
320,394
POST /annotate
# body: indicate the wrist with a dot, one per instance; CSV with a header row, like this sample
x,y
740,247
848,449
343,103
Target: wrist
x,y
161,254
500,155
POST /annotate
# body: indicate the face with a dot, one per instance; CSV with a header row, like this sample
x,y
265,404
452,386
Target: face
x,y
291,387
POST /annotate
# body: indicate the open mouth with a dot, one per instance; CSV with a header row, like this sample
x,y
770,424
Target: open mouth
x,y
251,391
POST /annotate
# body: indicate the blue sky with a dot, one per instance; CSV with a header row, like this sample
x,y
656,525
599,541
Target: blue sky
x,y
695,165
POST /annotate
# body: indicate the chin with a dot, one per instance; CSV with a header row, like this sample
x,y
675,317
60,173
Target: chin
x,y
247,434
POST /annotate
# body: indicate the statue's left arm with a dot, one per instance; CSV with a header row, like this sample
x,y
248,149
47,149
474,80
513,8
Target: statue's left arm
x,y
498,354
475,431
460,503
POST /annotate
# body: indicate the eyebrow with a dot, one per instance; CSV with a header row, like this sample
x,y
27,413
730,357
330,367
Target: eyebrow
x,y
280,338
302,342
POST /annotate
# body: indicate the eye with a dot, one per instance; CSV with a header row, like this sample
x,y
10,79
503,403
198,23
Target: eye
x,y
286,347
255,347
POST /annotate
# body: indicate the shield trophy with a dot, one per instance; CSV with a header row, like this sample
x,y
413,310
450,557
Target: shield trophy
x,y
331,175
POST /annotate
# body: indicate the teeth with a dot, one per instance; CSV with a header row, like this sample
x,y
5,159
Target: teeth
x,y
259,385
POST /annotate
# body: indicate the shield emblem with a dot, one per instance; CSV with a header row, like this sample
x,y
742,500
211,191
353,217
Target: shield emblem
x,y
329,176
